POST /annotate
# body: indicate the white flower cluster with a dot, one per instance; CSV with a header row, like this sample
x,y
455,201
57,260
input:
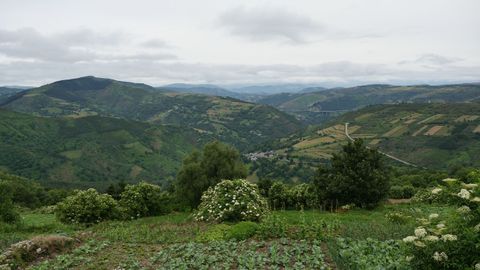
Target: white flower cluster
x,y
439,257
232,200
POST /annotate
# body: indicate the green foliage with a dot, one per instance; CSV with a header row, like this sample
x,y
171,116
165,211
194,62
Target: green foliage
x,y
277,254
217,232
272,226
242,230
278,196
449,242
356,175
8,214
199,171
401,192
264,185
87,207
303,196
236,200
398,217
143,200
371,254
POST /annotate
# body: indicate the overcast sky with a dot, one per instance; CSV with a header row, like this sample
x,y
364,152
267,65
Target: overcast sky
x,y
330,42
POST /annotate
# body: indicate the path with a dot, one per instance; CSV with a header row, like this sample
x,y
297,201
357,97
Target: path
x,y
385,154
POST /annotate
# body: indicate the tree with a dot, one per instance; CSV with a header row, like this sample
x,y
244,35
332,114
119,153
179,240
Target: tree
x,y
356,175
201,170
7,210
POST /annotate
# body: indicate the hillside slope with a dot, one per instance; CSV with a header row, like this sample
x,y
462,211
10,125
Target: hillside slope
x,y
319,106
437,136
92,151
230,120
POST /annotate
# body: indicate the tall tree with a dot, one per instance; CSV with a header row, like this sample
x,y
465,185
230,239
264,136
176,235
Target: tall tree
x,y
200,170
356,175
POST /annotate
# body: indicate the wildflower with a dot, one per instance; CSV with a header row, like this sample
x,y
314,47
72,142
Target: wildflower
x,y
476,199
463,209
449,237
409,258
409,239
420,232
440,225
470,186
436,190
464,194
477,266
440,256
419,244
477,227
433,216
449,180
431,238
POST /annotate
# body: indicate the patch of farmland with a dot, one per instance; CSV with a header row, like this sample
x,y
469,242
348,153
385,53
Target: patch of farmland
x,y
314,142
412,118
466,118
420,130
432,118
363,116
435,130
374,142
477,129
396,131
364,135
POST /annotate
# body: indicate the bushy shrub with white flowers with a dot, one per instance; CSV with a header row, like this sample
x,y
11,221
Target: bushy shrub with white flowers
x,y
438,244
232,200
87,207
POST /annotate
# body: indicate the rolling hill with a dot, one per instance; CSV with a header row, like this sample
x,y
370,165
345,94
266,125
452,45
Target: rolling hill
x,y
435,136
233,121
92,151
318,106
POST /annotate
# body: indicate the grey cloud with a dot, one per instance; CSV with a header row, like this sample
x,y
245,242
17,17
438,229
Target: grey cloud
x,y
432,60
73,46
269,24
158,72
154,43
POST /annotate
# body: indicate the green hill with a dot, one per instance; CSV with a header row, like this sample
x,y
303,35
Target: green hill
x,y
230,120
319,106
435,136
92,151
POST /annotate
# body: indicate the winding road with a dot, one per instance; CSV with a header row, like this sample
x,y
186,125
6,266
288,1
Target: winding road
x,y
385,154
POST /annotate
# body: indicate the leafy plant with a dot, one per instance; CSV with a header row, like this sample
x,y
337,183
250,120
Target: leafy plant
x,y
229,200
143,200
242,230
87,207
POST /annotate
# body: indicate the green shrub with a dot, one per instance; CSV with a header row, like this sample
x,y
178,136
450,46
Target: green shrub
x,y
278,196
217,232
242,230
7,210
302,196
397,217
87,207
402,192
449,242
229,200
272,226
143,200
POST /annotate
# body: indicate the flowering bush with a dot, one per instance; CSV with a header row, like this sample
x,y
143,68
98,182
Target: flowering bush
x,y
87,207
142,200
441,244
229,200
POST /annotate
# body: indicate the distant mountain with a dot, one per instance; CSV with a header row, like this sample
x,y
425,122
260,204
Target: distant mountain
x,y
272,89
8,91
230,120
205,89
318,106
92,151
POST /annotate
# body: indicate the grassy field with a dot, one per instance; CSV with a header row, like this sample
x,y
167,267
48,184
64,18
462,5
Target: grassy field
x,y
286,240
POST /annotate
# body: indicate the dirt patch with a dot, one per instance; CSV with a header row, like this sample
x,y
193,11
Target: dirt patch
x,y
466,118
433,130
396,131
477,129
398,201
37,248
431,118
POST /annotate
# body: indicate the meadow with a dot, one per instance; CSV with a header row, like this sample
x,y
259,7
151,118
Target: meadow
x,y
291,239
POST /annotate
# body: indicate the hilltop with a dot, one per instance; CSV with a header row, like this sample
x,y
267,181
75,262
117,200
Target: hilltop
x,y
230,120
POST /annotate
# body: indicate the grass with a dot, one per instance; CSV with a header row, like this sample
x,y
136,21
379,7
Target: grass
x,y
171,241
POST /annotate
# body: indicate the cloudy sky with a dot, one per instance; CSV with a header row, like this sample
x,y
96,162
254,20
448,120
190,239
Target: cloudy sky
x,y
329,42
